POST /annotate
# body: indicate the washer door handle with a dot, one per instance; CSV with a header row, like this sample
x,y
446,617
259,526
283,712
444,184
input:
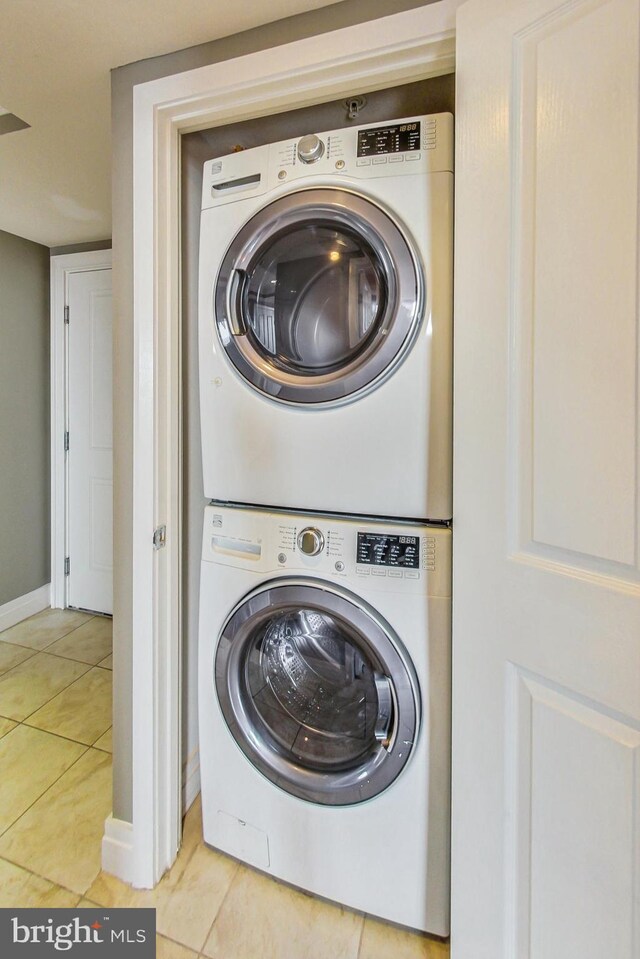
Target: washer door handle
x,y
235,289
385,707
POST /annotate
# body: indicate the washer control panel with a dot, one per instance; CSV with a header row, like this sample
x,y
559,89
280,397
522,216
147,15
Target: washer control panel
x,y
377,554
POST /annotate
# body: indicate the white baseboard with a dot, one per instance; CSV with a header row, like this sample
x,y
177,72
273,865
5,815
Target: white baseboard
x,y
117,848
117,842
24,606
190,780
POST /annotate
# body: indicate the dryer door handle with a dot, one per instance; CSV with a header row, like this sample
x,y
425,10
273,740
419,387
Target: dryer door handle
x,y
385,707
235,289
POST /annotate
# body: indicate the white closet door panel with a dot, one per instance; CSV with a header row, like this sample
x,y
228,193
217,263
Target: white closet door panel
x,y
90,460
546,764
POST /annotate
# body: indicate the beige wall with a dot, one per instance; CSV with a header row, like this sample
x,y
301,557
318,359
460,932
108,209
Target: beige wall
x,y
124,79
24,417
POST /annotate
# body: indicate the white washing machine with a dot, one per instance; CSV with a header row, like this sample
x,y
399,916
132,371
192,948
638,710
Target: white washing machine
x,y
325,321
324,703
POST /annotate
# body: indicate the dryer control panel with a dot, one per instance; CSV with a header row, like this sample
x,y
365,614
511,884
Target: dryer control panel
x,y
372,554
413,145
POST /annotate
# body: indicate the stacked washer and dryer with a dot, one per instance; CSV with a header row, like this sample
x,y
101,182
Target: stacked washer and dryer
x,y
325,339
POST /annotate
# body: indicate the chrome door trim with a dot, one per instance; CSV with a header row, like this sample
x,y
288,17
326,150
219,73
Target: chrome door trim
x,y
395,332
366,629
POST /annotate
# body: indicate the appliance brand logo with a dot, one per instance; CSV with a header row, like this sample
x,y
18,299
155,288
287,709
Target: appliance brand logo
x,y
121,933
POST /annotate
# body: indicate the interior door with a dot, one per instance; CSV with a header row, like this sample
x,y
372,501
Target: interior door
x,y
546,657
90,441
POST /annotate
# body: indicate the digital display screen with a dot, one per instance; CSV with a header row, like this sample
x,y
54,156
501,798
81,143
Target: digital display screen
x,y
379,550
396,139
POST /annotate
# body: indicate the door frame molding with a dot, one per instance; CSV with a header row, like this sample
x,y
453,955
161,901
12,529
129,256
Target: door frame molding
x,y
60,269
400,48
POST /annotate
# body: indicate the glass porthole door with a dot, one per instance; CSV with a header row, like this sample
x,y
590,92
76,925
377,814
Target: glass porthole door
x,y
317,296
316,693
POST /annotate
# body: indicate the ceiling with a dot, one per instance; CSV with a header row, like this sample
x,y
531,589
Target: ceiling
x,y
55,58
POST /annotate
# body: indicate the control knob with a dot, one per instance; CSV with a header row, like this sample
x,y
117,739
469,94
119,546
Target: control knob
x,y
310,541
310,148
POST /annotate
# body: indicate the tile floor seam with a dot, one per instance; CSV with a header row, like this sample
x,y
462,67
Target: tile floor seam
x,y
364,916
90,884
59,885
42,705
22,661
76,680
3,832
7,642
40,652
70,659
11,668
181,874
64,635
220,907
49,609
66,659
67,739
104,733
19,864
75,630
176,942
36,652
7,720
176,880
81,669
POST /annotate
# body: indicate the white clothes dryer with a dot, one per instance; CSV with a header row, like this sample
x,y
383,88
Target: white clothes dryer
x,y
324,705
325,321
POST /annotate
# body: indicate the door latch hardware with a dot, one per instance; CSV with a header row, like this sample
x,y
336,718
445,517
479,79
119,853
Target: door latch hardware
x,y
159,537
66,314
67,565
66,442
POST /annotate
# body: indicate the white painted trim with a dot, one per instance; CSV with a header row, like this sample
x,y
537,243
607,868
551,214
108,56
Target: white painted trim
x,y
24,606
400,48
61,267
190,780
117,848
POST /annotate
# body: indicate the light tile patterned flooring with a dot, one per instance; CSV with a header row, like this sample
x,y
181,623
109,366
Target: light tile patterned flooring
x,y
55,793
